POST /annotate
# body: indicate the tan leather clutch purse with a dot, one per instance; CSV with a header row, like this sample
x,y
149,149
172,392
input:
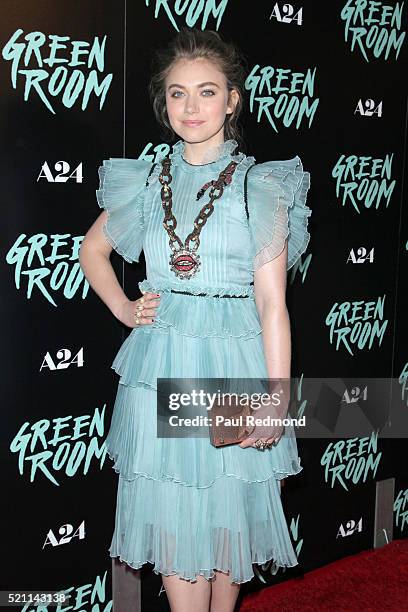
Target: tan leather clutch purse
x,y
235,430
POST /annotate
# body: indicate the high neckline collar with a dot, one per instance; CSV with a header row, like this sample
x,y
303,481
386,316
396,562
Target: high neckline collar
x,y
212,154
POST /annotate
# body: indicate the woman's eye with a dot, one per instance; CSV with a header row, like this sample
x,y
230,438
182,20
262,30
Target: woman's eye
x,y
210,91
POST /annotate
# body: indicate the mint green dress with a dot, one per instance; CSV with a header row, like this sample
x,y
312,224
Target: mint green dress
x,y
184,505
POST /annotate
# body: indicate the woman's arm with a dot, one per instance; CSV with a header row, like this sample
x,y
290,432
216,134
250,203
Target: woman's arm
x,y
94,259
270,298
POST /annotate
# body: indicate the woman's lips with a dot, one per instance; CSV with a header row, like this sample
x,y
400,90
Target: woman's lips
x,y
192,123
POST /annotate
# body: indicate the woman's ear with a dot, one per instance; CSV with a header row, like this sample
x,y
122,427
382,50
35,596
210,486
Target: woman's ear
x,y
232,102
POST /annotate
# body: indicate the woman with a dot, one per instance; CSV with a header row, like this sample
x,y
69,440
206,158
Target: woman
x,y
202,514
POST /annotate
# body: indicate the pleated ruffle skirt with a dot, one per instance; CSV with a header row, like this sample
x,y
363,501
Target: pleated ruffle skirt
x,y
182,504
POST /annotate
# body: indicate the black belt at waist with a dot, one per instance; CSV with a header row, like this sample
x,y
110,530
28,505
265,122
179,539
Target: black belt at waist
x,y
222,296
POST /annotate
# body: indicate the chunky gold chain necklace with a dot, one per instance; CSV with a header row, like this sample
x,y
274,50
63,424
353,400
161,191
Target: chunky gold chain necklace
x,y
184,260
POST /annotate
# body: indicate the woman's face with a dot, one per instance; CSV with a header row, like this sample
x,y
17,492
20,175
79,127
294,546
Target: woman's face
x,y
197,100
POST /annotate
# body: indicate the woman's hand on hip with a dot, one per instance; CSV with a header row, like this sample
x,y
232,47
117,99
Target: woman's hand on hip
x,y
142,311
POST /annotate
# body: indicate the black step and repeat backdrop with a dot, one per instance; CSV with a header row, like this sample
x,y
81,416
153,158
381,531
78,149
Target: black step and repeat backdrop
x,y
327,82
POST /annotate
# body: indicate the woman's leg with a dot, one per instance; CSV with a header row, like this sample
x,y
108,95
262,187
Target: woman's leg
x,y
224,593
185,596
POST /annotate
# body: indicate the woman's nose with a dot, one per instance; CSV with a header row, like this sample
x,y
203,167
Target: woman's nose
x,y
192,105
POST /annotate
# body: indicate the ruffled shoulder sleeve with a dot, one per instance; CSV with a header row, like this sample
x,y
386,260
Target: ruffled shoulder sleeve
x,y
122,185
276,204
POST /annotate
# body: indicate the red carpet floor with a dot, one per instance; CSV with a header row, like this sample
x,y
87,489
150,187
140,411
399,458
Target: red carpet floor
x,y
371,581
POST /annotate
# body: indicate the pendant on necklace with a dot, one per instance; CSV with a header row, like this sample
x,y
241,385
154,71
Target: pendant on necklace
x,y
184,263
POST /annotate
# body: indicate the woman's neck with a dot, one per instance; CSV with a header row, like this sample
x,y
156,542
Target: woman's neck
x,y
198,153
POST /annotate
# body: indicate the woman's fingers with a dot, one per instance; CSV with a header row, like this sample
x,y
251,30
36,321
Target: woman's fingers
x,y
252,442
146,308
144,321
247,442
149,302
149,299
148,312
